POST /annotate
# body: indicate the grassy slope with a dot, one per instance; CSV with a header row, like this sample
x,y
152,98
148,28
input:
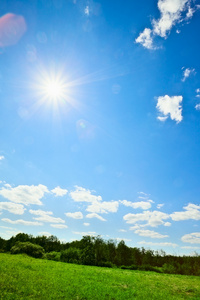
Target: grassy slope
x,y
23,277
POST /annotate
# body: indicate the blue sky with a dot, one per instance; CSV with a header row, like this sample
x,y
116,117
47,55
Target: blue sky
x,y
99,120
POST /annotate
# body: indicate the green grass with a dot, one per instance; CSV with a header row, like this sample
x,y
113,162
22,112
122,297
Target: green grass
x,y
23,277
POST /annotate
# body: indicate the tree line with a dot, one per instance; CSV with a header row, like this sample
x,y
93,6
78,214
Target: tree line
x,y
96,251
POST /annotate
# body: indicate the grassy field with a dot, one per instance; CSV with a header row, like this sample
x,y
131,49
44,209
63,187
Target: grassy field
x,y
23,277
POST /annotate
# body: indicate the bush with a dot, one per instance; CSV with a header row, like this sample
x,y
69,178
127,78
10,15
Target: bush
x,y
28,248
106,264
149,268
53,256
71,255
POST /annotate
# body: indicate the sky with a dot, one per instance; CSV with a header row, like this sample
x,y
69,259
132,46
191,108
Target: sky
x,y
100,121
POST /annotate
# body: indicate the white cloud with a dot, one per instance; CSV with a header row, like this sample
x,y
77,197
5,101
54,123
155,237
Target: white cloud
x,y
17,209
58,191
165,244
198,90
94,215
45,216
171,13
44,233
146,39
87,10
86,224
122,239
150,233
197,107
152,218
170,106
103,207
187,72
2,157
192,212
122,230
75,215
22,222
59,226
192,238
160,206
25,194
83,233
190,247
167,224
141,204
83,195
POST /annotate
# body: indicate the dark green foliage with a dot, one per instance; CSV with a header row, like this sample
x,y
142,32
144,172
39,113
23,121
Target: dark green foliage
x,y
97,252
53,256
28,248
70,255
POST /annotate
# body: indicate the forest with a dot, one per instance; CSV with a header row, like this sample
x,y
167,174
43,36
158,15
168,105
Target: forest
x,y
96,251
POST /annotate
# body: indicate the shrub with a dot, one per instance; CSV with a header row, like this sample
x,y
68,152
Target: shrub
x,y
106,264
53,256
28,248
70,255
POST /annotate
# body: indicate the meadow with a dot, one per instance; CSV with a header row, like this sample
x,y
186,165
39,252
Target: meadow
x,y
24,277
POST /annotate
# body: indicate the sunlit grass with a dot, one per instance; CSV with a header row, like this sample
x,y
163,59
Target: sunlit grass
x,y
22,277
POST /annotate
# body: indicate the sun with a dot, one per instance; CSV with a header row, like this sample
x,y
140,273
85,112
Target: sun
x,y
54,89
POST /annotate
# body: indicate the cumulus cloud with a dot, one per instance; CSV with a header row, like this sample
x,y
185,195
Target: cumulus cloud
x,y
187,72
17,209
141,204
12,28
103,207
83,195
22,222
59,192
94,215
197,107
75,215
59,226
151,218
25,194
2,157
171,13
191,212
165,244
45,216
150,233
146,39
192,238
170,107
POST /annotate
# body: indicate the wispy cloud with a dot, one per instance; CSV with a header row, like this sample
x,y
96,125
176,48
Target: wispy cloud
x,y
170,107
59,226
45,216
165,244
94,215
25,194
187,72
2,157
22,222
75,215
17,209
192,238
150,233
